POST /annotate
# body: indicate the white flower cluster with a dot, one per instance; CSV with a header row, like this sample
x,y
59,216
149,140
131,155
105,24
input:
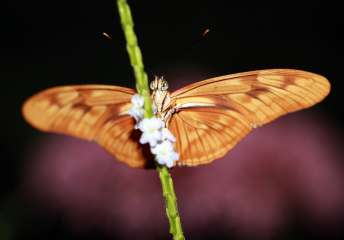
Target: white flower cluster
x,y
155,133
136,110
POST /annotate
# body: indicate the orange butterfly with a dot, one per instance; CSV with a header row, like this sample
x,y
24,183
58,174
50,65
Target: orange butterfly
x,y
208,118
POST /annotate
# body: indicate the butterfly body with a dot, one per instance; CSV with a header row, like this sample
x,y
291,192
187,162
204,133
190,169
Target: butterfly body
x,y
208,118
161,99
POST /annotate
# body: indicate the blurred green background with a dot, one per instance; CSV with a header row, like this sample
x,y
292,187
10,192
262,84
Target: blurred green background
x,y
48,43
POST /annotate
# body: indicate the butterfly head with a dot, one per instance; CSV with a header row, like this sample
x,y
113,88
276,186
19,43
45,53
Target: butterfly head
x,y
159,84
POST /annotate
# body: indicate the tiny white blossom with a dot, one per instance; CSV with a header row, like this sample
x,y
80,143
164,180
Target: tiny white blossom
x,y
136,110
167,135
137,101
151,130
165,153
136,113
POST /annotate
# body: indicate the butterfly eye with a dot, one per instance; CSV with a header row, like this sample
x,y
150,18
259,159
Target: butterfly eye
x,y
164,86
153,85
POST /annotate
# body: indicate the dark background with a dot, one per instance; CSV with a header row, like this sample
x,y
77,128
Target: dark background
x,y
47,43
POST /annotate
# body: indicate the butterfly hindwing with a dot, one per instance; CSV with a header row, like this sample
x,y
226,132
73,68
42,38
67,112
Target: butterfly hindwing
x,y
206,133
121,139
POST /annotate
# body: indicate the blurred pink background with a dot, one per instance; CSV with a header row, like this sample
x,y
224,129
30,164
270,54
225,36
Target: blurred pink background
x,y
285,173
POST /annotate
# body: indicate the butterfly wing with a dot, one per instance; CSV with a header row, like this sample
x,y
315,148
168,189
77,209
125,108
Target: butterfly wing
x,y
215,114
91,112
206,133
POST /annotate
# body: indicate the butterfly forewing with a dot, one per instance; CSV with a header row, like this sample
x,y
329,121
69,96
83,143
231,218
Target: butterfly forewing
x,y
91,112
256,97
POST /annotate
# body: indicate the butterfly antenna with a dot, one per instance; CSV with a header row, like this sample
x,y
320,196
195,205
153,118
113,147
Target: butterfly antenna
x,y
106,35
194,44
201,37
177,56
205,32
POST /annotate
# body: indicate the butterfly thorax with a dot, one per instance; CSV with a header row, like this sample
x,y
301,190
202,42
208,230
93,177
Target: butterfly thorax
x,y
161,98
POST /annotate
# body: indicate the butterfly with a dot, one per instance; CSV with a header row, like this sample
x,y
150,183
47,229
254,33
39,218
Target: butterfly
x,y
207,118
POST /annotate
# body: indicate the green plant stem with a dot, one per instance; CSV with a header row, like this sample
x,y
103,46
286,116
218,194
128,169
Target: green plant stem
x,y
171,203
142,88
135,55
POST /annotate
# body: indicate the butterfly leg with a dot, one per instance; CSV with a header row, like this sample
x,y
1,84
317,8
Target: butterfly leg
x,y
167,116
